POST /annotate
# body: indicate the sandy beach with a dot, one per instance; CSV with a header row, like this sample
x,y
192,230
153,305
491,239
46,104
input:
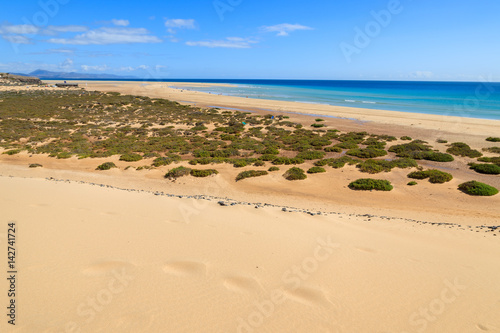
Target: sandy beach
x,y
131,251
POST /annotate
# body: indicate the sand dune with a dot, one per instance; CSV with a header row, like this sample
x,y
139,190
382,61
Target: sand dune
x,y
96,259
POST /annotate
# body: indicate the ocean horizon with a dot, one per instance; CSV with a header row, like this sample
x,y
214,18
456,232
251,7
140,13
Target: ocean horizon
x,y
462,99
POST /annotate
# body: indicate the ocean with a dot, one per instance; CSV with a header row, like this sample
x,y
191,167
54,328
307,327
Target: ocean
x,y
463,99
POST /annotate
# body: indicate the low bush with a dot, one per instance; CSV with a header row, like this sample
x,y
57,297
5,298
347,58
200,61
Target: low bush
x,y
435,176
463,149
492,139
105,166
368,184
333,149
316,169
259,163
412,183
437,157
203,173
476,188
494,160
35,165
273,168
240,163
132,157
251,173
311,155
64,155
406,138
178,172
347,145
295,174
489,169
12,151
376,166
160,161
494,150
316,125
366,152
441,141
319,119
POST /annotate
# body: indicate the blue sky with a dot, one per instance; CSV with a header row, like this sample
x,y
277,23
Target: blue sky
x,y
322,39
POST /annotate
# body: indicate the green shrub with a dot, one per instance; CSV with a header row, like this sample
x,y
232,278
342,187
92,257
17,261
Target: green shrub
x,y
240,163
35,165
316,125
271,151
463,149
347,145
295,174
311,155
161,161
376,166
437,157
203,173
64,155
476,188
316,169
333,149
435,176
132,157
12,151
251,173
368,184
366,152
106,166
412,183
492,139
489,169
406,138
319,119
273,168
178,172
441,141
259,163
495,160
494,150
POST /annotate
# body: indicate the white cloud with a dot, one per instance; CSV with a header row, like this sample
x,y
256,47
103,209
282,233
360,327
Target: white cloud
x,y
17,39
174,24
22,29
120,23
285,28
67,28
106,36
99,68
143,67
229,42
422,75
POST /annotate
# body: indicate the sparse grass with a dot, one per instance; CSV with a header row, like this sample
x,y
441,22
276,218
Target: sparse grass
x,y
295,174
435,176
463,149
316,169
251,173
178,172
489,169
477,188
493,139
203,173
106,166
368,184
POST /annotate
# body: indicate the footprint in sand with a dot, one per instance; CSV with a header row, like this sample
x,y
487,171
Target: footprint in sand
x,y
105,267
482,327
308,296
183,268
366,249
241,284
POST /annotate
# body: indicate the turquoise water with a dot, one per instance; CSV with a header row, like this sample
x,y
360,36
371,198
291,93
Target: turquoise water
x,y
463,99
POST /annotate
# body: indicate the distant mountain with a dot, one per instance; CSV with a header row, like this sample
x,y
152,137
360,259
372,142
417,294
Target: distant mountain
x,y
47,75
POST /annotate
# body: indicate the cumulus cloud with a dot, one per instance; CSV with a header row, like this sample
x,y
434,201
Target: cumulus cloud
x,y
98,68
174,24
21,29
106,36
17,39
285,29
229,42
120,23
